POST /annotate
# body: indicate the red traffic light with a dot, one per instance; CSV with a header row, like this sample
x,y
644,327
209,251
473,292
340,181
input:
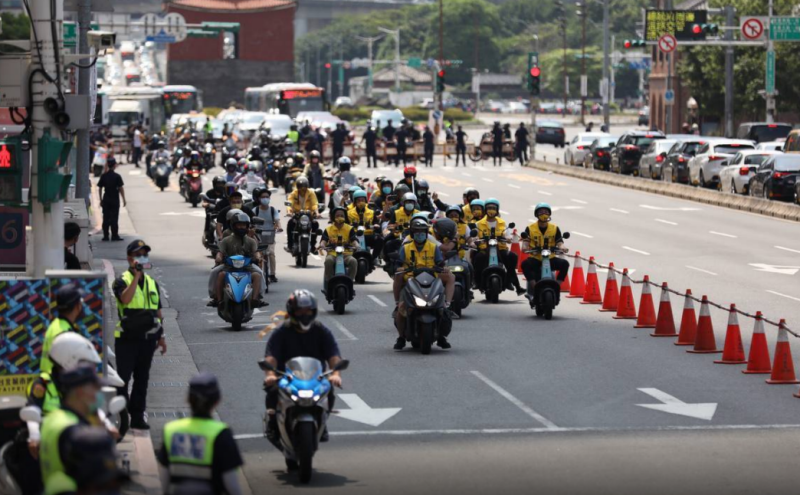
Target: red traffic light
x,y
441,73
697,29
328,65
535,71
628,44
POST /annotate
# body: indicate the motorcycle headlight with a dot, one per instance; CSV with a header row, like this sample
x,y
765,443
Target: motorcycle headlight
x,y
420,301
237,263
456,269
294,398
305,394
304,221
339,249
493,242
545,252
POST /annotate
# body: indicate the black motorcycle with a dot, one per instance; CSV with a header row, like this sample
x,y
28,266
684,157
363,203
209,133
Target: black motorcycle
x,y
161,173
425,305
304,235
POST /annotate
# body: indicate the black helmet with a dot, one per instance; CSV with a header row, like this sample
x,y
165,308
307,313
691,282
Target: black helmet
x,y
423,185
445,229
337,209
255,152
299,158
257,192
314,154
344,163
419,224
454,208
231,164
239,217
218,181
67,295
470,191
401,190
301,182
302,299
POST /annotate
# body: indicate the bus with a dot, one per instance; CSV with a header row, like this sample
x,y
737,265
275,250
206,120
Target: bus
x,y
181,99
285,98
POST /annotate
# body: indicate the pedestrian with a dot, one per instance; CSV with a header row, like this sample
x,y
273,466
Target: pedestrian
x,y
136,143
401,136
369,138
112,182
461,145
72,231
497,144
200,449
521,150
139,331
427,138
338,136
589,126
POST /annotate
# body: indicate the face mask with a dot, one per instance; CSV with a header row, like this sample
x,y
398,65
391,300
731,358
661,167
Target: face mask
x,y
236,206
477,214
99,402
491,213
387,190
251,174
142,260
409,206
264,201
240,231
360,206
338,221
544,217
420,237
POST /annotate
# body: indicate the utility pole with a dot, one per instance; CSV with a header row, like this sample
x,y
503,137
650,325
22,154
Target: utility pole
x,y
729,20
396,34
604,85
564,66
534,100
47,221
319,81
582,13
82,186
341,69
770,95
440,96
668,116
369,41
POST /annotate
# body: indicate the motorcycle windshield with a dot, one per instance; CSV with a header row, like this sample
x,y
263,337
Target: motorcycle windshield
x,y
304,368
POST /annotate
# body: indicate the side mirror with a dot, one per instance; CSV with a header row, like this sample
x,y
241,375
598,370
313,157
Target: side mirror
x,y
257,220
512,225
30,414
524,235
287,203
116,405
473,233
566,235
473,226
342,365
264,365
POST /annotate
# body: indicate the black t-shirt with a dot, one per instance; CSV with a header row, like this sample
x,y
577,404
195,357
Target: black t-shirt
x,y
285,344
369,138
338,137
71,262
460,135
388,132
415,134
401,136
522,135
111,182
226,458
428,138
222,216
497,135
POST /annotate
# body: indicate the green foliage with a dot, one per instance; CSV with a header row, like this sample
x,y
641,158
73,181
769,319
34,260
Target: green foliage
x,y
15,27
352,114
212,111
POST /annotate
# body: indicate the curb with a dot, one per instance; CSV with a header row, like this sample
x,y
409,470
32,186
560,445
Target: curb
x,y
777,209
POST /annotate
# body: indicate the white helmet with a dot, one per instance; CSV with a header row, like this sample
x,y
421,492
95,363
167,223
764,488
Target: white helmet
x,y
71,349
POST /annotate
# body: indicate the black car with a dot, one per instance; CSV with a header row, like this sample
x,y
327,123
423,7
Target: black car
x,y
762,132
551,133
628,151
776,178
676,165
599,156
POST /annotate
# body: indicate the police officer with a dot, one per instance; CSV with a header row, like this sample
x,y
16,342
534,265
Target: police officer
x,y
140,331
401,136
90,459
537,235
461,146
69,299
369,138
521,136
199,448
72,231
497,144
114,186
427,138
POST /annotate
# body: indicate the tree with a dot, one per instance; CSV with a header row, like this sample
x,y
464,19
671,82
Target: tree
x,y
15,27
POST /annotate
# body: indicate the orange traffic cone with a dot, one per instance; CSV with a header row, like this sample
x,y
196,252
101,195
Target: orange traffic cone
x,y
758,362
783,366
688,331
626,310
516,250
647,312
705,343
665,323
732,351
578,286
611,296
592,294
565,283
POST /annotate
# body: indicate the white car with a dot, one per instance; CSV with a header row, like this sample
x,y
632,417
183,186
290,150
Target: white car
x,y
380,118
517,107
343,101
705,166
771,146
735,176
579,147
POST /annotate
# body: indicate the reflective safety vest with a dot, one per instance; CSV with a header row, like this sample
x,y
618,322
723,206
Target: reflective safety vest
x,y
424,257
51,399
190,447
59,326
401,218
146,299
462,239
485,231
537,238
53,476
467,213
333,238
294,136
365,218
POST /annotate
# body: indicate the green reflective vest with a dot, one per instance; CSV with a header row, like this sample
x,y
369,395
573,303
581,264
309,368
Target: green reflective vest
x,y
59,326
146,299
190,446
52,399
294,136
53,476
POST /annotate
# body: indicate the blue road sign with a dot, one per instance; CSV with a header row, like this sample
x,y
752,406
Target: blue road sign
x,y
669,96
161,37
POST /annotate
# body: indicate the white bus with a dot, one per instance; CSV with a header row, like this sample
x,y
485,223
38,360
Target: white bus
x,y
181,99
285,98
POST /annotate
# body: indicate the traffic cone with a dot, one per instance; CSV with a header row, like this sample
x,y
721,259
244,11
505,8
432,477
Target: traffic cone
x,y
758,363
611,296
578,286
592,294
647,312
665,323
516,250
565,283
688,331
783,366
732,351
705,343
626,310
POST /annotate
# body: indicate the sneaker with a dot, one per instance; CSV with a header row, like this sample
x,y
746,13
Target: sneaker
x,y
118,238
104,239
520,291
324,437
443,343
273,279
288,249
260,303
453,315
212,303
139,423
400,344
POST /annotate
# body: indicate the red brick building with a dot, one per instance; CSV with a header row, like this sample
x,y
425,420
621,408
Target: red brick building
x,y
264,51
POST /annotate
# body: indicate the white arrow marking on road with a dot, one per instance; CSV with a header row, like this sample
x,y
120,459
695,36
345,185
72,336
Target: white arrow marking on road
x,y
198,214
782,269
360,412
788,249
134,172
672,405
662,208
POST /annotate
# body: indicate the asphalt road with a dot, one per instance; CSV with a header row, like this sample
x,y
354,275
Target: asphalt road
x,y
519,403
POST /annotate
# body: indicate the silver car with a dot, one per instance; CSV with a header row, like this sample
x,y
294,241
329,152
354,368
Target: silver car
x,y
705,166
735,176
654,158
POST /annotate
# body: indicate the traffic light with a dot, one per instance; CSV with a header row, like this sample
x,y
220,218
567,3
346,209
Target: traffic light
x,y
53,184
701,30
630,44
327,65
10,171
440,81
534,84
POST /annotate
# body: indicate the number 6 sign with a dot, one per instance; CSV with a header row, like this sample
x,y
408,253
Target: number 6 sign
x,y
12,237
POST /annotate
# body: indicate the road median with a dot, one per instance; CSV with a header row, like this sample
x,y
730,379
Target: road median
x,y
787,211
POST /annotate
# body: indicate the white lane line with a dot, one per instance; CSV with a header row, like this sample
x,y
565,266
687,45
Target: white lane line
x,y
514,186
466,174
583,235
699,270
443,194
723,234
315,257
579,201
484,179
345,331
665,221
377,301
229,342
619,211
545,193
503,212
784,295
527,410
787,249
636,250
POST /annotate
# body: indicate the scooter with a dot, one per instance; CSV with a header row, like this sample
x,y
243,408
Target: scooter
x,y
545,294
265,238
192,185
161,173
363,254
209,156
339,289
304,226
462,295
303,407
235,306
493,279
210,240
425,306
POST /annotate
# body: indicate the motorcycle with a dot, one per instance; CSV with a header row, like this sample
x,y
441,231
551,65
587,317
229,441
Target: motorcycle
x,y
161,173
363,254
192,185
235,306
493,281
339,289
209,156
265,238
425,306
302,413
545,294
304,227
460,269
210,240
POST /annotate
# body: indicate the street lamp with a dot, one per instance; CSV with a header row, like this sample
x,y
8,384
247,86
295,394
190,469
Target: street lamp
x,y
396,34
369,41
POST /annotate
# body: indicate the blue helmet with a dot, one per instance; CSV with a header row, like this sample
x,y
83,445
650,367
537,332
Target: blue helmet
x,y
359,194
478,202
353,189
493,201
542,206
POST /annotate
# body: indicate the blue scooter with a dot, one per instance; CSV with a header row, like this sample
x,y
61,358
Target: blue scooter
x,y
303,406
235,306
363,255
493,280
545,294
339,289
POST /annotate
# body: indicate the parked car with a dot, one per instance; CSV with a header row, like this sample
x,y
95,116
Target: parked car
x,y
343,102
550,133
644,115
676,165
380,118
792,143
777,178
735,176
705,166
517,107
626,154
579,147
599,156
763,131
654,157
771,146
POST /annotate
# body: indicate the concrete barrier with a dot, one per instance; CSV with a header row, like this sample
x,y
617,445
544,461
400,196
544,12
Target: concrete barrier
x,y
778,209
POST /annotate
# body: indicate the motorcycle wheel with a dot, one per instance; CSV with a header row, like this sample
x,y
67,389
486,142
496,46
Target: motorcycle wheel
x,y
195,201
548,303
361,275
304,447
458,296
426,337
493,289
304,260
475,156
237,315
340,300
162,188
298,260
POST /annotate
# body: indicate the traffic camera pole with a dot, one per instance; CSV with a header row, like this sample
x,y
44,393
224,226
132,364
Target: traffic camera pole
x,y
47,222
82,186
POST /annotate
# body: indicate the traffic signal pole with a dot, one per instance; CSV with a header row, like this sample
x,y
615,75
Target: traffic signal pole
x,y
604,86
82,186
770,97
729,21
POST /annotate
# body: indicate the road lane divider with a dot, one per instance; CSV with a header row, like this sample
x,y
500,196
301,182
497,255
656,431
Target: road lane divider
x,y
634,250
611,294
344,330
661,220
619,211
647,311
513,186
758,362
377,301
508,396
722,234
665,322
787,249
581,234
700,270
784,295
733,350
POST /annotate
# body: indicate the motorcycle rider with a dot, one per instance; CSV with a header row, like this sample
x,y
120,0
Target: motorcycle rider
x,y
339,233
239,244
469,194
235,203
272,221
347,179
507,258
410,178
361,214
456,214
478,209
251,179
398,222
160,152
385,188
231,170
420,253
302,198
423,199
299,335
536,234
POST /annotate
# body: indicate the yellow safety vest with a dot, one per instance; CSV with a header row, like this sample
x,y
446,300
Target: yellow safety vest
x,y
537,238
485,231
424,257
401,218
59,326
333,238
294,136
462,238
53,476
467,213
190,447
365,218
140,300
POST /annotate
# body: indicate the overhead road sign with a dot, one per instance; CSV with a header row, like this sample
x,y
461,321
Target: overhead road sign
x,y
678,23
229,27
753,28
667,43
784,28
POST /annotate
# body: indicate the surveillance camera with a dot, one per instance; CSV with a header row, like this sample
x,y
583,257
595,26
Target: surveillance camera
x,y
101,40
